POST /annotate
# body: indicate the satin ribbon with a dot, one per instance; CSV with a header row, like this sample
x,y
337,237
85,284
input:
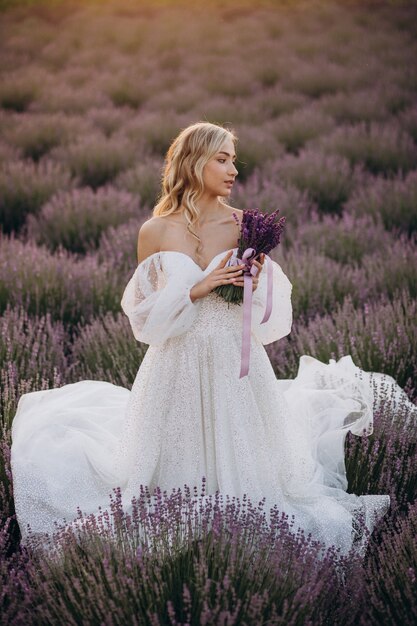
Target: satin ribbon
x,y
249,271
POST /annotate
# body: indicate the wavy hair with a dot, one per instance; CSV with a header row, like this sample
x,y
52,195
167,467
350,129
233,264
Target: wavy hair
x,y
182,181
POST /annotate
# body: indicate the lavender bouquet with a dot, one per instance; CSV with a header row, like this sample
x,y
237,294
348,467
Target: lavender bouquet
x,y
259,231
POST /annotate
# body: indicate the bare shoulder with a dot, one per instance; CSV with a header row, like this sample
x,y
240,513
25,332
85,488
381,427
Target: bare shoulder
x,y
150,237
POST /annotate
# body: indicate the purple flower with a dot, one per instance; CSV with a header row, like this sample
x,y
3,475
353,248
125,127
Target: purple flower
x,y
259,231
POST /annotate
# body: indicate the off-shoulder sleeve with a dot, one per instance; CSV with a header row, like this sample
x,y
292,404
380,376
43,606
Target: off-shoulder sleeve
x,y
280,320
158,308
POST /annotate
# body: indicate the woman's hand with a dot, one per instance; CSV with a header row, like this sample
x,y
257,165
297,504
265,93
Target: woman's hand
x,y
221,275
255,279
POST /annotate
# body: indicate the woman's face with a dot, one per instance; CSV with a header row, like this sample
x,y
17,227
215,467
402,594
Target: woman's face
x,y
220,171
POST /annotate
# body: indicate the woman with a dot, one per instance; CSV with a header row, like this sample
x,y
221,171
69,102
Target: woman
x,y
188,414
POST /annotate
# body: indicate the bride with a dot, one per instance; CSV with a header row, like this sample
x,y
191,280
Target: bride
x,y
189,415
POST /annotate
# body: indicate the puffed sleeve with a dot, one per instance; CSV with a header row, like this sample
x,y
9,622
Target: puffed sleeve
x,y
280,320
158,308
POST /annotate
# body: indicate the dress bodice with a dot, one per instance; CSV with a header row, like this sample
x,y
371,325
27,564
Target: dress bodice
x,y
158,304
214,313
173,261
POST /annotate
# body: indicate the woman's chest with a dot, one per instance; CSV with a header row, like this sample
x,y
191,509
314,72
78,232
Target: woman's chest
x,y
201,243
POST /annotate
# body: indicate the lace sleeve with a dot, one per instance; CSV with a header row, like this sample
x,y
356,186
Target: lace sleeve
x,y
158,309
280,320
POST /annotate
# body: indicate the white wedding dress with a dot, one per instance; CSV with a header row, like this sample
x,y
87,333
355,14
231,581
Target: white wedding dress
x,y
189,415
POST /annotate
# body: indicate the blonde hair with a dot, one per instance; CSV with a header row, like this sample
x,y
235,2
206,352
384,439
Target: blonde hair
x,y
182,182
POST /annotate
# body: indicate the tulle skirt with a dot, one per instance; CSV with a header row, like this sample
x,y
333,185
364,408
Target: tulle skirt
x,y
188,415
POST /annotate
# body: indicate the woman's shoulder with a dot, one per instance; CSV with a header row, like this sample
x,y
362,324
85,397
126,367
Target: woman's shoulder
x,y
150,237
152,228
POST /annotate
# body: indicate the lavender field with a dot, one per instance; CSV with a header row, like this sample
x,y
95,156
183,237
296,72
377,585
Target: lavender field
x,y
323,98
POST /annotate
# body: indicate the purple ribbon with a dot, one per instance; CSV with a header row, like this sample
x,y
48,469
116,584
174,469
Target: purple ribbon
x,y
248,271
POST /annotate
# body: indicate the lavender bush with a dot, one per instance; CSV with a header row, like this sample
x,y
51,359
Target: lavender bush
x,y
380,337
8,152
389,452
16,594
296,128
77,219
270,193
219,108
103,350
408,121
25,186
108,120
118,247
32,346
328,179
345,239
126,91
17,93
317,80
317,286
320,283
189,559
143,180
275,101
363,105
393,201
381,148
70,290
152,133
59,96
37,134
94,159
391,575
387,273
256,149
